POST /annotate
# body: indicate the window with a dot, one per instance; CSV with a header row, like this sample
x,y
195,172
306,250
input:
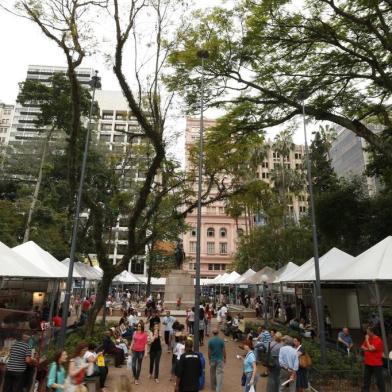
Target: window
x,y
106,127
192,246
298,166
211,210
222,211
302,209
194,232
264,165
210,267
119,127
192,266
265,175
118,138
223,248
123,235
223,232
107,115
137,266
223,267
298,156
210,232
275,155
211,248
104,138
217,267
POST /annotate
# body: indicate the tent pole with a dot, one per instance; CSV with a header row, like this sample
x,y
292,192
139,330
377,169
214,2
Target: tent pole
x,y
381,316
281,303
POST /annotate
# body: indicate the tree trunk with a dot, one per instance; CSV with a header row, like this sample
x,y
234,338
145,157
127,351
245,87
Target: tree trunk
x,y
37,186
149,273
102,294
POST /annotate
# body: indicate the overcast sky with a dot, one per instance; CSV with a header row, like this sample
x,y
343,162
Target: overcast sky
x,y
22,44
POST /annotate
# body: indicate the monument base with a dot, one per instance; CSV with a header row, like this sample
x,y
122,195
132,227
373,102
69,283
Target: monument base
x,y
179,284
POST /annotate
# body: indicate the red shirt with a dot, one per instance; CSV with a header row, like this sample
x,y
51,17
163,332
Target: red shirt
x,y
57,320
86,305
139,341
373,358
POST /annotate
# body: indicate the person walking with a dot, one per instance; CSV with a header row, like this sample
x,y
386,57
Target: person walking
x,y
56,374
250,370
217,359
155,352
168,322
139,350
272,362
77,370
19,357
202,326
302,372
208,317
189,370
289,363
191,320
373,351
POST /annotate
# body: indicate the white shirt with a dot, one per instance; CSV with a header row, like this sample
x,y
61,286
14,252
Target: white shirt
x,y
179,350
223,311
132,319
86,357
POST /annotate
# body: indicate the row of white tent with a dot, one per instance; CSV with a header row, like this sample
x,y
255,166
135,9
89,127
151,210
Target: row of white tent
x,y
29,260
372,265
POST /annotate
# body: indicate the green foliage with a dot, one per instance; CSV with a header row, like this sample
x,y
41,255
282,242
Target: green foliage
x,y
275,247
263,54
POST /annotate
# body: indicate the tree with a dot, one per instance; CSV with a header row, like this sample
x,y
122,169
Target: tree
x,y
324,177
265,55
54,102
266,246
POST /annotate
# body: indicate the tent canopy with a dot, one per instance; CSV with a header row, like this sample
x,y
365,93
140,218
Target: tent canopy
x,y
231,278
127,278
44,260
329,262
85,270
285,271
373,264
221,278
12,264
245,276
154,281
265,275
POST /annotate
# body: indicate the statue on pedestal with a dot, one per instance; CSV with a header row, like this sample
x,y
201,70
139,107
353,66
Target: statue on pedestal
x,y
179,255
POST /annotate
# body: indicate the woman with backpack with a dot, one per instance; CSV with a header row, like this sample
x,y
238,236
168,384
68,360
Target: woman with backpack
x,y
56,375
272,363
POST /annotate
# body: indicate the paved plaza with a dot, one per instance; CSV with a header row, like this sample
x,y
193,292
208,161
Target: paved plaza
x,y
231,378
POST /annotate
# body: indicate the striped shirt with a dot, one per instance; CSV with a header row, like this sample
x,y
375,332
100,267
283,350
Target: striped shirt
x,y
17,359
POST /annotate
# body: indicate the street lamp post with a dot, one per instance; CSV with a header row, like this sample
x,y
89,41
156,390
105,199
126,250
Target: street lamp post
x,y
319,299
203,55
95,83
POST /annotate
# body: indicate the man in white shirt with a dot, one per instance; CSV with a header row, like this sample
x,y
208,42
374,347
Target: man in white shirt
x,y
133,319
289,363
168,322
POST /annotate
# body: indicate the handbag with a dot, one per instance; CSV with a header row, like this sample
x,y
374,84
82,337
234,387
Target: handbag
x,y
270,361
243,379
78,379
305,361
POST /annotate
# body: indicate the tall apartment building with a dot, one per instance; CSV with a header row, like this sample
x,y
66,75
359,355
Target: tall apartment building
x,y
219,232
6,113
115,120
23,128
349,157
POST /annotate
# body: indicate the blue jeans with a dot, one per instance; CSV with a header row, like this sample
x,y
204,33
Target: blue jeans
x,y
137,359
247,385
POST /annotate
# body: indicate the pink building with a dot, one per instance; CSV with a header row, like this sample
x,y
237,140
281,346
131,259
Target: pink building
x,y
219,232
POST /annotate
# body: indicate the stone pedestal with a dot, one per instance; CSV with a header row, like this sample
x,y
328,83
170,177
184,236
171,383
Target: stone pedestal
x,y
179,284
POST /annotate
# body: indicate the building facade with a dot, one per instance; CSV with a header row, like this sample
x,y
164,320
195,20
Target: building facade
x,y
119,131
23,124
349,157
219,232
6,115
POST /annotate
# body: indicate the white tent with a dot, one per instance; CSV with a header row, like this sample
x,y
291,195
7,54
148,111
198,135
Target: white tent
x,y
266,274
285,271
126,278
230,279
12,264
221,278
84,270
44,260
245,276
330,261
216,279
373,264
